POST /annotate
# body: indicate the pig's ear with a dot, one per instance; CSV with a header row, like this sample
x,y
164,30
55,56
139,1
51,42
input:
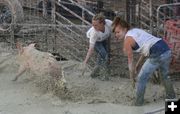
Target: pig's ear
x,y
19,47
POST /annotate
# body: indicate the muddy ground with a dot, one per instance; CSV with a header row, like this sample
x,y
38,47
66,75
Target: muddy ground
x,y
84,95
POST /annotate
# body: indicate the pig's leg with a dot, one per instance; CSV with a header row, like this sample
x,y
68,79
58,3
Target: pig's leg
x,y
21,70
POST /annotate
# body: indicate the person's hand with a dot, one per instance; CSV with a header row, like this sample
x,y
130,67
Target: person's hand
x,y
133,82
83,68
132,78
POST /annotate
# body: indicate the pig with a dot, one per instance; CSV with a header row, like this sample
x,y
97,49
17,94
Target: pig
x,y
39,63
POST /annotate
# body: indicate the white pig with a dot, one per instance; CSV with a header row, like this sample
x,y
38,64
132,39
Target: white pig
x,y
39,63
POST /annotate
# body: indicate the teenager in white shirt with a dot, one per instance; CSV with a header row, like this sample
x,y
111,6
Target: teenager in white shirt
x,y
156,51
98,36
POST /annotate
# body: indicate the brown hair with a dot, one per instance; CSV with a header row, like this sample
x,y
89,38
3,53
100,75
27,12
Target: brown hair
x,y
118,21
100,17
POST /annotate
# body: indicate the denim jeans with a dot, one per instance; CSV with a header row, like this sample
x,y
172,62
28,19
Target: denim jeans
x,y
151,64
102,51
102,64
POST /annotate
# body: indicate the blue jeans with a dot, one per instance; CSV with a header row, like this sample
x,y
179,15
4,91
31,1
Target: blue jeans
x,y
151,64
102,51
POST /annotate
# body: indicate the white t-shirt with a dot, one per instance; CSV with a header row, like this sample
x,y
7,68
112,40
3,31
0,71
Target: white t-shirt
x,y
94,35
143,39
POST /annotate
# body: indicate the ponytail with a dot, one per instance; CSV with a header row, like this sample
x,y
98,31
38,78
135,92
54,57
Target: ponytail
x,y
119,22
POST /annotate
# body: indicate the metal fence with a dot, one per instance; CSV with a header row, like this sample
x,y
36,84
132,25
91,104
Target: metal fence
x,y
40,23
43,22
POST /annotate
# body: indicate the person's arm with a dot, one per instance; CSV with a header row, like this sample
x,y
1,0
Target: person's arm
x,y
89,53
128,43
92,35
139,63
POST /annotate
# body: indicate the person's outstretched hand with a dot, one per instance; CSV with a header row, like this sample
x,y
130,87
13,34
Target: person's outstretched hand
x,y
83,68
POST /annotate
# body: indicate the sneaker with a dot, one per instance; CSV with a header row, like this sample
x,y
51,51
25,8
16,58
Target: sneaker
x,y
134,103
138,101
95,72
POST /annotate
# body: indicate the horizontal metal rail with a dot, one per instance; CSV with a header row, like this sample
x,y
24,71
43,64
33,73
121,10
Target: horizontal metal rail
x,y
92,14
68,28
76,15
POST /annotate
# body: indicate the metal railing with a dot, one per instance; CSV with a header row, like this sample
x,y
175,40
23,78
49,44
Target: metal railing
x,y
165,14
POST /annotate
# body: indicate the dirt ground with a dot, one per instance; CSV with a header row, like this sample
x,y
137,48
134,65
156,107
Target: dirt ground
x,y
84,95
